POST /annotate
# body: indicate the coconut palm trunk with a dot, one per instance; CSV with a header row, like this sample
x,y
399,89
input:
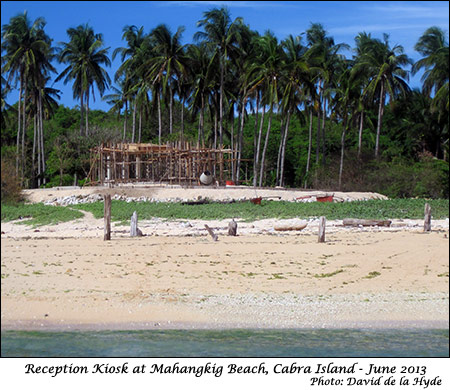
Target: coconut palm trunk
x,y
318,132
133,134
140,125
323,131
33,158
266,142
158,96
380,117
81,112
309,145
258,147
221,103
24,128
19,117
361,122
125,122
87,114
341,165
170,110
280,147
240,141
283,150
41,136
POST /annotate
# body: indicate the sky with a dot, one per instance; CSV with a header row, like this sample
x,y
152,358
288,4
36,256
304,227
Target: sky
x,y
404,21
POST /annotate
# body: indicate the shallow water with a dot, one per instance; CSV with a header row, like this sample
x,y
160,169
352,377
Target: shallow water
x,y
228,343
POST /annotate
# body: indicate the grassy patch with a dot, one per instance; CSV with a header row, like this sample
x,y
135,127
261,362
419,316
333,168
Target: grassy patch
x,y
121,211
372,275
39,213
372,209
329,275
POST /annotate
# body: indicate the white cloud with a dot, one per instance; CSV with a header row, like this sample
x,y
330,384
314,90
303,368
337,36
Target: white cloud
x,y
409,11
355,29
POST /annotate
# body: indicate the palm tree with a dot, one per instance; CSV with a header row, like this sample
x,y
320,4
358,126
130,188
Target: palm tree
x,y
129,74
221,34
168,63
84,55
267,71
296,81
200,66
387,77
27,53
433,46
324,59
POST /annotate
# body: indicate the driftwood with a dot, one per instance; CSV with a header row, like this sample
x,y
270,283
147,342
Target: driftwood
x,y
107,217
322,223
365,222
427,221
213,235
195,202
232,228
286,228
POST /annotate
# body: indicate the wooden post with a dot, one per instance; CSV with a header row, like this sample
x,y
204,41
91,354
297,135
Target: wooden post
x,y
133,228
322,222
427,222
213,235
107,217
232,228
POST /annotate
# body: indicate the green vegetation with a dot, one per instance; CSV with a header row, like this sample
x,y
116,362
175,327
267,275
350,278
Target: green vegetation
x,y
372,275
38,214
329,275
121,211
372,209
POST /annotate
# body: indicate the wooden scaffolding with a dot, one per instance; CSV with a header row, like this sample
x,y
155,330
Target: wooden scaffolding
x,y
175,163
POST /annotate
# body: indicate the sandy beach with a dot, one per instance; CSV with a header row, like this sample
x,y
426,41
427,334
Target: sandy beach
x,y
66,277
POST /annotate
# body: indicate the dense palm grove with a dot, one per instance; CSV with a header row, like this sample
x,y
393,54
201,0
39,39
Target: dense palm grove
x,y
297,112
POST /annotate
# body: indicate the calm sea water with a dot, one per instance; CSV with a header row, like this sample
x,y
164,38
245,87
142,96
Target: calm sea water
x,y
228,343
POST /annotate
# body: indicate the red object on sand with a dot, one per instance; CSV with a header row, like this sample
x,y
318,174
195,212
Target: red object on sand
x,y
256,200
229,183
325,198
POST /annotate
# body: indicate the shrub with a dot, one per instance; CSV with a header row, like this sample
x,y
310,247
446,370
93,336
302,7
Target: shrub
x,y
10,184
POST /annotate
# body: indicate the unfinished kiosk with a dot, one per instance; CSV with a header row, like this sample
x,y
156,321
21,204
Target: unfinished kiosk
x,y
175,163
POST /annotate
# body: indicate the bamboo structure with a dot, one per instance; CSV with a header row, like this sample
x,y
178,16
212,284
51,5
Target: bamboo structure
x,y
173,163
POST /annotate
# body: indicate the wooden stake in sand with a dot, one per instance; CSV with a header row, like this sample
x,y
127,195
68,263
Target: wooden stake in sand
x,y
427,222
213,235
322,222
107,217
232,228
133,227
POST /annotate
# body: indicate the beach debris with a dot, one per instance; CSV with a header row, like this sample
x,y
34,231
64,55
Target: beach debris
x,y
258,199
286,228
427,221
322,223
232,228
210,231
365,222
206,178
199,200
326,198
